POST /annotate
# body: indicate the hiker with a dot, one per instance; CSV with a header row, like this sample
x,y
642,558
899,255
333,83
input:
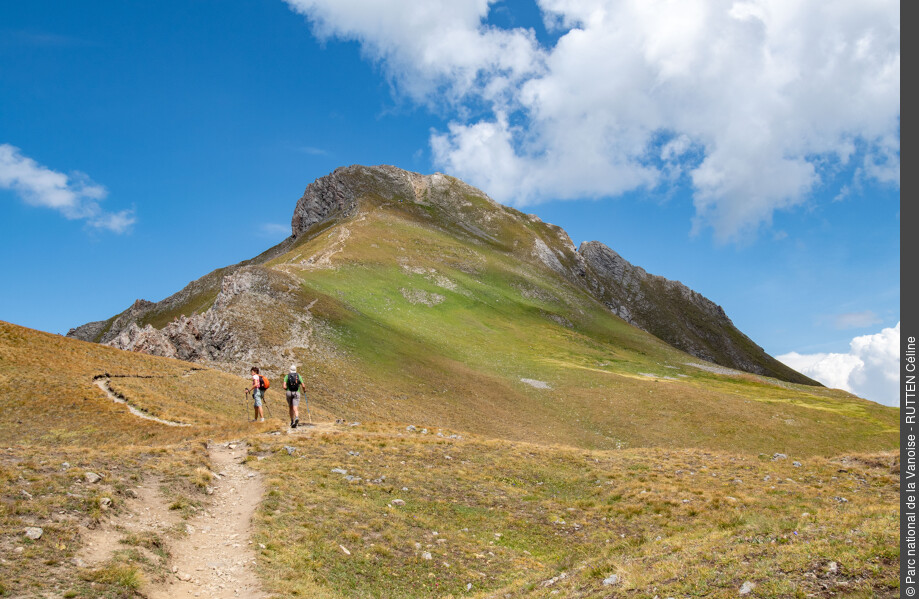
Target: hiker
x,y
258,394
292,384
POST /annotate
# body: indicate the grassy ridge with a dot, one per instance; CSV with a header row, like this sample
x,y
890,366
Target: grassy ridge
x,y
426,323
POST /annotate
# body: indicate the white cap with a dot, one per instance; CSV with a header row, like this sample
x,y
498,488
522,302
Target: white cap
x,y
293,368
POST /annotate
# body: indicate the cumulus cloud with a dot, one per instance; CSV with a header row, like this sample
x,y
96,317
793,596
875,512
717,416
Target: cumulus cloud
x,y
75,196
753,104
434,48
871,368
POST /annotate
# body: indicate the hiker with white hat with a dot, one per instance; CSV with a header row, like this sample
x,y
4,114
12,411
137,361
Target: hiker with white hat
x,y
292,384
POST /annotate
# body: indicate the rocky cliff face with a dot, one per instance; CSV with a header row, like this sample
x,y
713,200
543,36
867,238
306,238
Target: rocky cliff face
x,y
224,324
675,313
239,328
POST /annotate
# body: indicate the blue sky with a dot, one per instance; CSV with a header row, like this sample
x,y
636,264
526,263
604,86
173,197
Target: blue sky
x,y
145,144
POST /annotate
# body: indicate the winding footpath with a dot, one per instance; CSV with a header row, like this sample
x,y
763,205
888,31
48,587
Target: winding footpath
x,y
103,383
215,557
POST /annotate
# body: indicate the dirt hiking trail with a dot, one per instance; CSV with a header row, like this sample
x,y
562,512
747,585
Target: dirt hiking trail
x,y
211,554
216,559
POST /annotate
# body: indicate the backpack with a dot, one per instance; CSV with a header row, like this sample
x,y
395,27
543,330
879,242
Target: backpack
x,y
293,382
263,382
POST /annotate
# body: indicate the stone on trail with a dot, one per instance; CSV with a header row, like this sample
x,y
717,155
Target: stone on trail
x,y
34,533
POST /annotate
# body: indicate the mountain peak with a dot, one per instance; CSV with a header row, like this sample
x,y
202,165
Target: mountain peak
x,y
338,193
380,218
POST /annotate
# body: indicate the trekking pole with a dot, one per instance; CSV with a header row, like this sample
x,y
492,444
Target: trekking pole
x,y
246,406
265,402
308,413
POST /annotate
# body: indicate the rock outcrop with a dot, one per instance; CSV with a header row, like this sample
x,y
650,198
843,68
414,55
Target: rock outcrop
x,y
238,328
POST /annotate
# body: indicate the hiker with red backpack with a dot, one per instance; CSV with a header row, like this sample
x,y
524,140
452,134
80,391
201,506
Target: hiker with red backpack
x,y
259,386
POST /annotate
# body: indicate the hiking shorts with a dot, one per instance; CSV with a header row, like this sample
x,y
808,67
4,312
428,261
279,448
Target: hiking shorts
x,y
257,396
293,398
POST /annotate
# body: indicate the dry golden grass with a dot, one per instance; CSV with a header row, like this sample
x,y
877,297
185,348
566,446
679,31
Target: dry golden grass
x,y
511,514
56,425
508,518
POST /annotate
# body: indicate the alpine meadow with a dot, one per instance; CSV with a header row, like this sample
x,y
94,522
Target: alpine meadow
x,y
488,411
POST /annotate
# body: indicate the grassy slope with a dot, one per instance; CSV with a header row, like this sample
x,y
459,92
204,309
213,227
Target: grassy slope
x,y
56,425
459,362
509,516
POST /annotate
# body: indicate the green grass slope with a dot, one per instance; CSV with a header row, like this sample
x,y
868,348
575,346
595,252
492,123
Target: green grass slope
x,y
434,305
416,323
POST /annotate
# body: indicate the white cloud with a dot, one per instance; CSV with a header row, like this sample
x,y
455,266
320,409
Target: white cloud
x,y
755,102
436,47
871,369
75,196
275,230
856,320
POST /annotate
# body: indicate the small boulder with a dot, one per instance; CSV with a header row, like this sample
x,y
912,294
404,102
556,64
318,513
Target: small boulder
x,y
290,450
92,477
747,588
426,555
778,456
397,502
34,533
341,471
611,580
